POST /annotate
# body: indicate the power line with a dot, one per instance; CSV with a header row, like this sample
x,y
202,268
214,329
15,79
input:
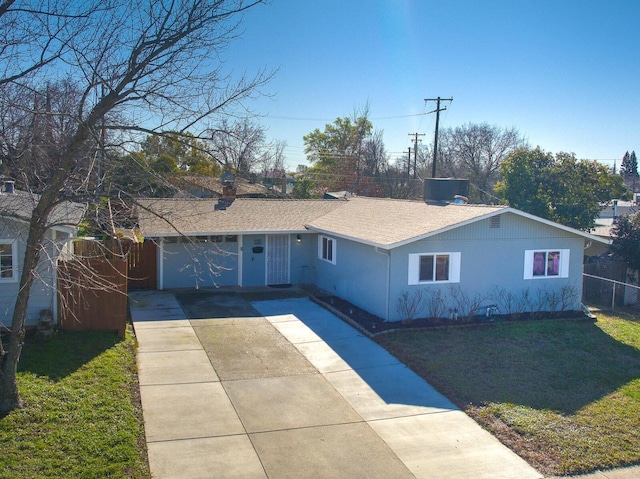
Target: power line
x,y
292,118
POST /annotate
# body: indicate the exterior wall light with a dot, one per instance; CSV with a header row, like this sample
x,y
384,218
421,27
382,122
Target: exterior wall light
x,y
299,239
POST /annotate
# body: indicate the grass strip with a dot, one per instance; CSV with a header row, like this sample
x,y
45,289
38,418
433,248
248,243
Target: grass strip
x,y
565,395
82,417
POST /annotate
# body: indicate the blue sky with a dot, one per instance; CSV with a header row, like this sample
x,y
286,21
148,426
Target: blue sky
x,y
565,73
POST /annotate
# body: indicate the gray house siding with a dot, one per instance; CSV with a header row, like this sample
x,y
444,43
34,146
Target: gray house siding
x,y
303,269
44,288
359,275
492,262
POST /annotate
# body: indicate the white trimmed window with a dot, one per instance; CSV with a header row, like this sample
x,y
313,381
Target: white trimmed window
x,y
8,261
327,249
546,263
434,268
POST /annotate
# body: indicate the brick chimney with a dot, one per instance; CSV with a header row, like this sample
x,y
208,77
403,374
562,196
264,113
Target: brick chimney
x,y
228,191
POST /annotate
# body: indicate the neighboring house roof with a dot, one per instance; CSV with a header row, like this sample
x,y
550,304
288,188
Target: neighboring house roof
x,y
381,222
609,213
603,227
20,204
621,208
207,186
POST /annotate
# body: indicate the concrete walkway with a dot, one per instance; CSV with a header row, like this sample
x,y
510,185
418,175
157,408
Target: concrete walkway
x,y
293,392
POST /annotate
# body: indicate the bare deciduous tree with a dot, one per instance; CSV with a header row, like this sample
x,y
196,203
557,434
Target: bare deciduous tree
x,y
136,69
239,145
272,158
475,151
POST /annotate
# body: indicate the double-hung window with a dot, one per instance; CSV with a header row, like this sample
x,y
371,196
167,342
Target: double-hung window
x,y
327,249
546,263
8,261
434,268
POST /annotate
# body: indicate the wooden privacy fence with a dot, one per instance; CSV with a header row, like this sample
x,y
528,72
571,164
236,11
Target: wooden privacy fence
x,y
141,267
92,294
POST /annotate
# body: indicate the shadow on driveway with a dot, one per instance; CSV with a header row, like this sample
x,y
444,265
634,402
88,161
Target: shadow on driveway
x,y
225,303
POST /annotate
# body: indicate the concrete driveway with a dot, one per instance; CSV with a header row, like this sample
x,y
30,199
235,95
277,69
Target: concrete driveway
x,y
284,389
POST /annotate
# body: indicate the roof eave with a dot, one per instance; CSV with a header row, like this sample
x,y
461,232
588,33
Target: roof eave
x,y
350,238
159,234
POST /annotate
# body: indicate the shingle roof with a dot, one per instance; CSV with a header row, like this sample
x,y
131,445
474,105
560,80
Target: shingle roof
x,y
167,217
20,204
387,222
213,184
377,221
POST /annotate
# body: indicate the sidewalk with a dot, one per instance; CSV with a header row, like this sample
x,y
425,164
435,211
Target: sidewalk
x,y
295,392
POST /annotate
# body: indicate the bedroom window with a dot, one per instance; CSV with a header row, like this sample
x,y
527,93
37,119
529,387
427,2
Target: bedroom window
x,y
8,261
434,267
327,249
549,263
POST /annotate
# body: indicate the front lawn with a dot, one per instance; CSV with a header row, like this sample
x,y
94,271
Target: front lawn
x,y
565,395
82,417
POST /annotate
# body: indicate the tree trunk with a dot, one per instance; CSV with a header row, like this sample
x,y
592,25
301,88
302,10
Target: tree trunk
x,y
9,396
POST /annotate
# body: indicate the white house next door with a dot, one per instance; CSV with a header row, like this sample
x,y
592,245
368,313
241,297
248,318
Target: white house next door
x,y
277,259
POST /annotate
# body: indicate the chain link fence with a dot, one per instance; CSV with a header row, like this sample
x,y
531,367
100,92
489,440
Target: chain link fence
x,y
610,293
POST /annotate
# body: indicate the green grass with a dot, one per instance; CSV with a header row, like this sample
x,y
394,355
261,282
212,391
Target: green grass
x,y
82,417
564,394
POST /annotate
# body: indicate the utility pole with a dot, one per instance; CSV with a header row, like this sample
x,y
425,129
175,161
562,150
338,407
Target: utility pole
x,y
435,139
409,164
415,153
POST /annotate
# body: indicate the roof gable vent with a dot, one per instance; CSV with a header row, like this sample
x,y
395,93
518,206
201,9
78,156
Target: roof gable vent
x,y
494,221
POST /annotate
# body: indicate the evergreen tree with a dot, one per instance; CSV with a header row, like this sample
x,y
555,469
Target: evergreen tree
x,y
629,166
626,239
633,159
